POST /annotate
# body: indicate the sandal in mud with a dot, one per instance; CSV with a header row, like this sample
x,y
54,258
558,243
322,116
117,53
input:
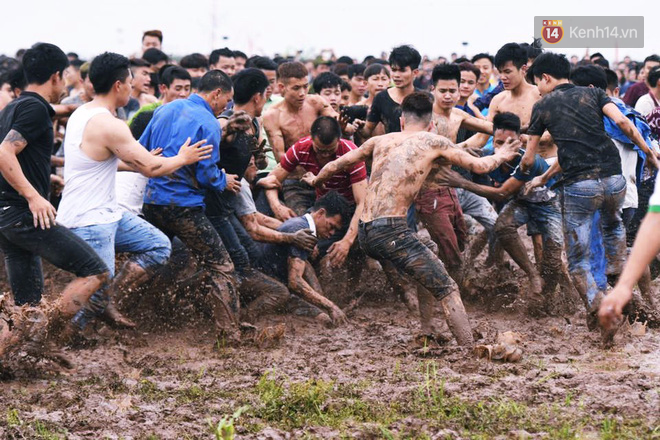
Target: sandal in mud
x,y
499,352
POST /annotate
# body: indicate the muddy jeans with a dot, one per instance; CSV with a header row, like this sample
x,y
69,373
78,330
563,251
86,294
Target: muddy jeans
x,y
580,201
390,239
298,195
480,209
441,213
194,229
545,219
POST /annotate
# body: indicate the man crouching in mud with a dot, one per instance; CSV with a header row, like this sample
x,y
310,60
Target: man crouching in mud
x,y
401,163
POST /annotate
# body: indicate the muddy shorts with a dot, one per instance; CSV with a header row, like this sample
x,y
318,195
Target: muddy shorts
x,y
390,239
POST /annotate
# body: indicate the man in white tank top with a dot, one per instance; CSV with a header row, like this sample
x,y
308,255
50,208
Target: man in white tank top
x,y
94,144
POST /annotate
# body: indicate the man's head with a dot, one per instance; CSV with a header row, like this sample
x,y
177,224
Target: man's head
x,y
269,68
88,87
216,89
649,63
469,77
328,86
505,125
653,77
111,76
153,38
357,81
44,65
484,63
196,64
156,57
240,59
325,133
6,93
223,59
330,212
377,77
533,50
250,90
548,69
446,79
405,61
175,83
417,111
141,75
292,81
72,73
341,70
612,83
511,62
589,75
345,97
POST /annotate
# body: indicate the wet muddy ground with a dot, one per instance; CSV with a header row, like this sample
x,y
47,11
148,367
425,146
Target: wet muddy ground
x,y
364,380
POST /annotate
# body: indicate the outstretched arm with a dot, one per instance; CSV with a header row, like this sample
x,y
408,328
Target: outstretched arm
x,y
481,165
351,158
298,285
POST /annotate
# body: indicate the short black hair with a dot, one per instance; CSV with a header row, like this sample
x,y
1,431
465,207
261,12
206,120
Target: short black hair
x,y
513,52
419,106
653,76
153,33
345,85
379,61
446,72
589,75
291,69
169,72
263,63
239,54
345,59
652,58
596,55
217,53
77,63
139,123
72,55
326,80
533,50
326,129
375,69
214,80
155,56
356,70
334,204
481,56
506,121
106,69
247,83
602,62
194,61
612,79
43,60
340,69
555,65
405,56
467,66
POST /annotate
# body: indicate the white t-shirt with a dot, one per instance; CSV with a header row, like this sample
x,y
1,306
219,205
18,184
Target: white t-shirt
x,y
645,104
244,202
130,188
629,171
654,201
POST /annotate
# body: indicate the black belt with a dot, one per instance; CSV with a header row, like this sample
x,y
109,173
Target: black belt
x,y
384,221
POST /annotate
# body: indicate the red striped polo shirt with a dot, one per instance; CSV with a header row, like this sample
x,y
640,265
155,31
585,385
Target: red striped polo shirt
x,y
302,154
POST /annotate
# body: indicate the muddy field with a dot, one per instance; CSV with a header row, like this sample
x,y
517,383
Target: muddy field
x,y
171,379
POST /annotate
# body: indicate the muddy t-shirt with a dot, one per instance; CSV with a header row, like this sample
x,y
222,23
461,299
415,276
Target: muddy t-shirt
x,y
574,117
275,256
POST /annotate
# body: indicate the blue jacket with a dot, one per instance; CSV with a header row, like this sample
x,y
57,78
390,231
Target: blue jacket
x,y
169,128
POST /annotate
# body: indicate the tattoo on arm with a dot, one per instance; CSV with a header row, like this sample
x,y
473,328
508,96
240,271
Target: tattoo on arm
x,y
16,140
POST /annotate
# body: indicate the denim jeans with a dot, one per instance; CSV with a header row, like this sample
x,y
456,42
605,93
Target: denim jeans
x,y
580,201
148,246
24,246
390,239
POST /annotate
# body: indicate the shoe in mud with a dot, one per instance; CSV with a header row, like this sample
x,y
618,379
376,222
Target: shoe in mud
x,y
536,305
592,312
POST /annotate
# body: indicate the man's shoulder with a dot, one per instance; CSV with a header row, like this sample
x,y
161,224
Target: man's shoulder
x,y
302,144
294,224
345,146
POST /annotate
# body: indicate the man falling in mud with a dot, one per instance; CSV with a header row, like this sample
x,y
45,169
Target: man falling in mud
x,y
401,164
288,121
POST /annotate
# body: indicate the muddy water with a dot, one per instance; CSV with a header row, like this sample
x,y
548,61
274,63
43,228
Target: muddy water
x,y
170,381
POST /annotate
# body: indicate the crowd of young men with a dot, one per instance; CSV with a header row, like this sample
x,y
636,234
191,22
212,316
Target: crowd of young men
x,y
230,166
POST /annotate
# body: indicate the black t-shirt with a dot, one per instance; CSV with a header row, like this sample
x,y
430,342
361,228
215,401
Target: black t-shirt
x,y
234,159
30,115
384,109
574,117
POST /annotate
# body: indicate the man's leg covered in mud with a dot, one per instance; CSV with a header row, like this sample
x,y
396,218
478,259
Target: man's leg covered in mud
x,y
261,294
390,239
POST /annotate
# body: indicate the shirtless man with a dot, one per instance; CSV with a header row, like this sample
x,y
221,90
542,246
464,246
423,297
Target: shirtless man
x,y
401,163
288,121
437,206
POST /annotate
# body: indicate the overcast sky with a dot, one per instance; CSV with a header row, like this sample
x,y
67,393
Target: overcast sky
x,y
357,28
